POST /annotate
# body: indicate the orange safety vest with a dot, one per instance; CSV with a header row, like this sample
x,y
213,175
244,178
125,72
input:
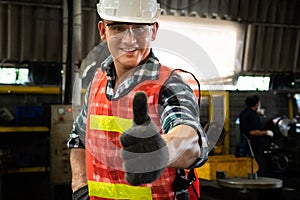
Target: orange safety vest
x,y
106,121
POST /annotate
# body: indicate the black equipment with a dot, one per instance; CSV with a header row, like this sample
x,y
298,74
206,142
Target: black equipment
x,y
283,153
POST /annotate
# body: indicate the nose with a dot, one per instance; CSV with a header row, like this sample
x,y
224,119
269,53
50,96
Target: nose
x,y
129,36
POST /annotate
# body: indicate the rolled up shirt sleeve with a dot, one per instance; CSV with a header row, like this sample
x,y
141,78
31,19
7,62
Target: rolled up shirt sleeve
x,y
179,105
77,135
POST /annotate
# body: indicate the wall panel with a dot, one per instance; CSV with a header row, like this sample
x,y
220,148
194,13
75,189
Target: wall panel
x,y
53,34
12,32
271,49
26,44
31,30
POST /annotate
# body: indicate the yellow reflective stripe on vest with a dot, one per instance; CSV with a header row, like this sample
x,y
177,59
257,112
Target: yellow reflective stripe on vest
x,y
119,191
109,123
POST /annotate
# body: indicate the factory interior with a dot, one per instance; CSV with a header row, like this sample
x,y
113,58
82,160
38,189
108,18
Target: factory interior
x,y
49,51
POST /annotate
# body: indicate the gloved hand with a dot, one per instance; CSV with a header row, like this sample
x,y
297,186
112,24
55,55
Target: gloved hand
x,y
270,133
81,194
144,152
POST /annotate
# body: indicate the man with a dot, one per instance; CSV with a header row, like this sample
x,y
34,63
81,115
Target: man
x,y
140,122
251,129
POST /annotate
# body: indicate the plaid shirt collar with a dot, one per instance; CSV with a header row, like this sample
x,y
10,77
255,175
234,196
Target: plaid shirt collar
x,y
148,70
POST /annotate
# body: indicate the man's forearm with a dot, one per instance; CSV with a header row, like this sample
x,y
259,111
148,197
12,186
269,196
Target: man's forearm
x,y
183,144
78,168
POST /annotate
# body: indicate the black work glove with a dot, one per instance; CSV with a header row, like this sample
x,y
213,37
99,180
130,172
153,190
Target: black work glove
x,y
144,152
81,194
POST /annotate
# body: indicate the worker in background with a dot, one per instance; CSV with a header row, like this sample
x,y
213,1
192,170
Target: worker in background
x,y
251,129
139,128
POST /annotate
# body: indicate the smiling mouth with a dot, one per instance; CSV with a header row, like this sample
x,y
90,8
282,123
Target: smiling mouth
x,y
129,49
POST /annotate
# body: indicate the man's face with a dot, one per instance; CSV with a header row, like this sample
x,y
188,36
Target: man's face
x,y
128,43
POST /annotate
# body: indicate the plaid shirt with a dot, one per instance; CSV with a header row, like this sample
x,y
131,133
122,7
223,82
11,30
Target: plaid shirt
x,y
178,102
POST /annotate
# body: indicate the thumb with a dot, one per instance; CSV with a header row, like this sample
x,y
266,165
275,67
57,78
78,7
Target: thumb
x,y
140,108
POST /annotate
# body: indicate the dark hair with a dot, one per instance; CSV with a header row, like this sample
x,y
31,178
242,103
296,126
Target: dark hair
x,y
251,100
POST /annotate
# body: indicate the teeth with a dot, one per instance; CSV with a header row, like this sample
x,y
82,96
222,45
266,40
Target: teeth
x,y
128,49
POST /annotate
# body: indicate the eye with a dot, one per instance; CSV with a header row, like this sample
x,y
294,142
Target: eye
x,y
117,28
140,28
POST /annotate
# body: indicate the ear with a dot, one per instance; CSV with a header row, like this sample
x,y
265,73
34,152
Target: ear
x,y
155,27
102,30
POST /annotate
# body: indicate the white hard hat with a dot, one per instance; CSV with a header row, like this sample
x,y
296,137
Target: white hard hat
x,y
136,11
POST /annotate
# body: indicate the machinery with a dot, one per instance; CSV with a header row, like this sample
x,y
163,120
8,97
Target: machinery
x,y
60,172
283,152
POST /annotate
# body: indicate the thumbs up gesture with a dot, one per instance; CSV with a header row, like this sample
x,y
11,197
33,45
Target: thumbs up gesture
x,y
144,152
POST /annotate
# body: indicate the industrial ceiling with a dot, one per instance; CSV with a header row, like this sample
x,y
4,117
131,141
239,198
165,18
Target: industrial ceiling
x,y
37,30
